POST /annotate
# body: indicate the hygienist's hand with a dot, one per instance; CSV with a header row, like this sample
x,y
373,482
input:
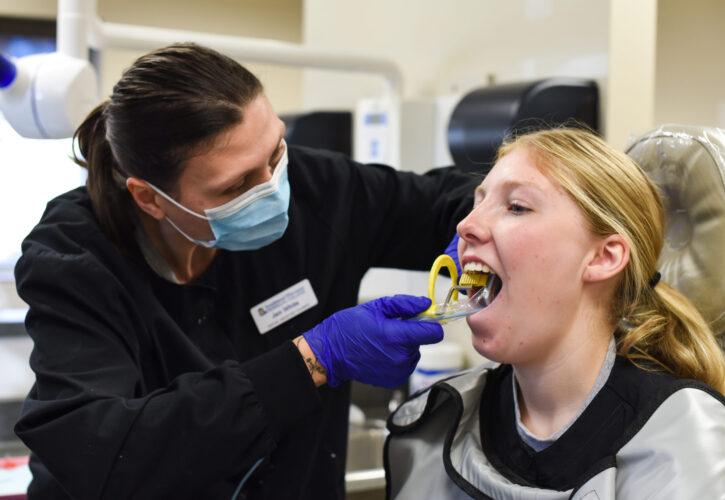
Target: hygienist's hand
x,y
371,343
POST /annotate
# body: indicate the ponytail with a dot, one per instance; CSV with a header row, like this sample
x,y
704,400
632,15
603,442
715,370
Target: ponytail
x,y
667,332
110,200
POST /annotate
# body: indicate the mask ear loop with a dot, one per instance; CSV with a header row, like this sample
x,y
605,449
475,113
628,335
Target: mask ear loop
x,y
206,244
176,203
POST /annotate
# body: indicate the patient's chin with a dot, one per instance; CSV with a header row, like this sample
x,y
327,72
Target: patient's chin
x,y
489,347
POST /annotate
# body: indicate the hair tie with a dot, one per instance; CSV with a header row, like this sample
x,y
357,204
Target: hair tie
x,y
655,279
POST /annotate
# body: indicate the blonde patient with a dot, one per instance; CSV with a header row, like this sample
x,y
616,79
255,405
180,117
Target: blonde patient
x,y
610,380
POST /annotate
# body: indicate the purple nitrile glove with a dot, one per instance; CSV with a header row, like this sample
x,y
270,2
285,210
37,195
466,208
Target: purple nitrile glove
x,y
452,251
370,343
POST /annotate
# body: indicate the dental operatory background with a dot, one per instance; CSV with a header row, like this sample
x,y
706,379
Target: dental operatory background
x,y
414,84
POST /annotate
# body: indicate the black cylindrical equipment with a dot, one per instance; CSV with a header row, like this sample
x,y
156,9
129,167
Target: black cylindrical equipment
x,y
484,117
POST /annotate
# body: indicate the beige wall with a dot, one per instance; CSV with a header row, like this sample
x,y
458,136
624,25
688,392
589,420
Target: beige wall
x,y
445,47
276,19
447,50
631,79
690,85
29,8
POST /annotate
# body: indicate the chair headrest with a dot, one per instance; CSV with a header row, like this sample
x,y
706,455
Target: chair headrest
x,y
688,165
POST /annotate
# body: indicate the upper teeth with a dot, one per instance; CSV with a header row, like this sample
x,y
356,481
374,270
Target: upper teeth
x,y
476,266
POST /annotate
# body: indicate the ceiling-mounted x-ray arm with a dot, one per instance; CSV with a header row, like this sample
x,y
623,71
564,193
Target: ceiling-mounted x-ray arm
x,y
47,95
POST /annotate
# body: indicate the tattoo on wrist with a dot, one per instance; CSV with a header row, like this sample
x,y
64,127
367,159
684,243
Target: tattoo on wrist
x,y
313,365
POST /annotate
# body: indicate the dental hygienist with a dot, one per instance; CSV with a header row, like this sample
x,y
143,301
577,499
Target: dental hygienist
x,y
191,307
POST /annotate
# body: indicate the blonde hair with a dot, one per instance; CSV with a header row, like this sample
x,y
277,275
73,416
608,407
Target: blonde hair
x,y
658,325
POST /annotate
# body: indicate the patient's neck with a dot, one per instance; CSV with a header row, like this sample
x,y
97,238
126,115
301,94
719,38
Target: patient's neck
x,y
554,387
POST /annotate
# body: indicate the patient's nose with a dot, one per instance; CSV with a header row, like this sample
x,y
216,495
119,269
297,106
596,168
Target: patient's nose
x,y
474,229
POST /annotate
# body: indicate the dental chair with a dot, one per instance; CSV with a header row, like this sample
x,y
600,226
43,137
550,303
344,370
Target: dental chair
x,y
688,165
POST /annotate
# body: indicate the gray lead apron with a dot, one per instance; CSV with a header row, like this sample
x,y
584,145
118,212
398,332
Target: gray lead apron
x,y
434,451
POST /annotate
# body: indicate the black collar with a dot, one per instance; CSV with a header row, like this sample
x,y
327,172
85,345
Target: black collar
x,y
617,412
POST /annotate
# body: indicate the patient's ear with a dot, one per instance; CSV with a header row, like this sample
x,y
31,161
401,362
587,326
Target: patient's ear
x,y
610,256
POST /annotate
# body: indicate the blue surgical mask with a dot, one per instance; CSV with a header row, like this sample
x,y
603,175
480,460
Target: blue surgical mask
x,y
251,221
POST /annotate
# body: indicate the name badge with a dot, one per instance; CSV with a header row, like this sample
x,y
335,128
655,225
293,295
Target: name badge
x,y
284,306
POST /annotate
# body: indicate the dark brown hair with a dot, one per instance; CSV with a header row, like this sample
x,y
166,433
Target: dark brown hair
x,y
167,104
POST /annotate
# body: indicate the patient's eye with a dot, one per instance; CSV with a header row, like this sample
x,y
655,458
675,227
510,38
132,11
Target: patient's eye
x,y
518,209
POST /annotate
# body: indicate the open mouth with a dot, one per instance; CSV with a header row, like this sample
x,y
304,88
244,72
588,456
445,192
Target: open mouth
x,y
483,283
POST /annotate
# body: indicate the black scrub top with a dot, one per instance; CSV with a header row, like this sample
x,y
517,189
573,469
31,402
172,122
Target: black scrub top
x,y
150,389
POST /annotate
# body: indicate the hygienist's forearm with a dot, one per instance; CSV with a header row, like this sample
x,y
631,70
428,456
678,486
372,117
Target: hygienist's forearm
x,y
317,371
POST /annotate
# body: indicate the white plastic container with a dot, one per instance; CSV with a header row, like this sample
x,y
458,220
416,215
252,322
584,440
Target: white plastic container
x,y
437,361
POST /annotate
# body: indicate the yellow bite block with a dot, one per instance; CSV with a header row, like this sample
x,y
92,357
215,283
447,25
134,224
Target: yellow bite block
x,y
473,279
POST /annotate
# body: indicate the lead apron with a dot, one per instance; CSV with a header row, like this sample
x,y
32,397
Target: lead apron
x,y
434,450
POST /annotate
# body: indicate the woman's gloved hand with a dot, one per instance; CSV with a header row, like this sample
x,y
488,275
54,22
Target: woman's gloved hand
x,y
370,343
